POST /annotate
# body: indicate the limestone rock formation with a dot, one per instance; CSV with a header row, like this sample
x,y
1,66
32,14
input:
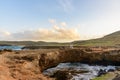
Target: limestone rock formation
x,y
29,64
51,59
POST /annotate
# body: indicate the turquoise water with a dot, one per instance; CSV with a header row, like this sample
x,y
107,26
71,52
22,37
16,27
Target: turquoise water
x,y
11,47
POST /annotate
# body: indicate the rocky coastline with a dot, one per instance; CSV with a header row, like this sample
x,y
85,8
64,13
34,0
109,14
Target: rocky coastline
x,y
29,64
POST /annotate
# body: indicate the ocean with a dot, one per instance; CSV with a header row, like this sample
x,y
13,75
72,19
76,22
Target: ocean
x,y
11,47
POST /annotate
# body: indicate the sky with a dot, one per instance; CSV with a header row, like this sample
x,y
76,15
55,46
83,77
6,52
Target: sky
x,y
58,20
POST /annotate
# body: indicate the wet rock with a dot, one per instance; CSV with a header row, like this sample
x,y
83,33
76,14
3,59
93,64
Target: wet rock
x,y
101,72
61,75
66,74
111,70
118,68
6,50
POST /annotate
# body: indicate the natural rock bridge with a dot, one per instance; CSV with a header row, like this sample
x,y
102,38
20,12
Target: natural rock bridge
x,y
106,57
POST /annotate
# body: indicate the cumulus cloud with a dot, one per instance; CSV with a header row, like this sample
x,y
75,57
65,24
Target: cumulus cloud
x,y
56,33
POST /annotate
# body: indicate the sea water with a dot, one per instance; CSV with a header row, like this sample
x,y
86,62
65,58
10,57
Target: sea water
x,y
11,47
93,70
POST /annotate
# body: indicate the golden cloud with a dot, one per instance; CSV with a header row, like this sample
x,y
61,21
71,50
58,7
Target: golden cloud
x,y
56,33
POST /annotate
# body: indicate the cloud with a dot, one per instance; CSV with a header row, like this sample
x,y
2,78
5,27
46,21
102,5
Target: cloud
x,y
4,33
66,5
52,21
56,33
63,24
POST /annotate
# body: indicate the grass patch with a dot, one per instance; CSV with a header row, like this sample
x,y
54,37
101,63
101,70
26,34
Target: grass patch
x,y
104,77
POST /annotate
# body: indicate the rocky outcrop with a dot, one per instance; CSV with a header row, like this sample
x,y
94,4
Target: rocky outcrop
x,y
20,65
29,64
66,74
51,59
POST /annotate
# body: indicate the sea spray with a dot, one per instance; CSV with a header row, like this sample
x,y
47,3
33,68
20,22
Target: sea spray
x,y
93,70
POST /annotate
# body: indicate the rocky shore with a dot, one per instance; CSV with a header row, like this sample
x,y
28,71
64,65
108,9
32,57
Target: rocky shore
x,y
29,64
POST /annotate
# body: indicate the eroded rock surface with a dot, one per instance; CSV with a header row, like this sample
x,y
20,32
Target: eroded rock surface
x,y
51,59
29,64
20,65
